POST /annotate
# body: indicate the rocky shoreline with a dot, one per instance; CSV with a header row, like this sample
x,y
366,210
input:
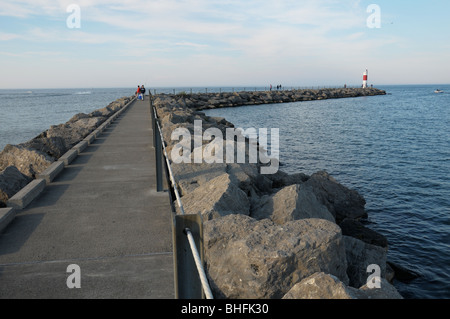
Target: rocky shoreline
x,y
273,235
20,164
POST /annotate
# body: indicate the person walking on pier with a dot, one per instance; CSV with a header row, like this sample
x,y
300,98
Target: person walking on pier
x,y
143,91
138,92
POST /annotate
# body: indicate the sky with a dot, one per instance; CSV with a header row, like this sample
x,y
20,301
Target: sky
x,y
195,43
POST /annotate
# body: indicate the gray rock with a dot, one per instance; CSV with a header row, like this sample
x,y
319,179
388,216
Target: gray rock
x,y
282,179
177,117
52,146
73,132
103,112
341,201
292,203
359,256
356,229
11,182
247,177
247,258
77,117
323,286
216,198
27,160
386,291
191,176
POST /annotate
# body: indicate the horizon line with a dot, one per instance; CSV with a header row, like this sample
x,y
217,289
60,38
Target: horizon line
x,y
216,86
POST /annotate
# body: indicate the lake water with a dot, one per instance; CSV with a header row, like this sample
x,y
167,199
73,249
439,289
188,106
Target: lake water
x,y
392,149
25,114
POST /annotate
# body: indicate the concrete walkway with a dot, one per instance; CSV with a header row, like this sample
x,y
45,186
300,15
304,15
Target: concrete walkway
x,y
102,213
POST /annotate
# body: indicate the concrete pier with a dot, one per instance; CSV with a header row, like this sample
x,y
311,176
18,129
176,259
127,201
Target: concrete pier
x,y
102,213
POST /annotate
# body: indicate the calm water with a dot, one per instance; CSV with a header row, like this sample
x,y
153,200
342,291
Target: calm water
x,y
24,114
394,150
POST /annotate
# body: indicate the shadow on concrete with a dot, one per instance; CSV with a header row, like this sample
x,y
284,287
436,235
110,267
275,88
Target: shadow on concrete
x,y
16,234
50,196
69,174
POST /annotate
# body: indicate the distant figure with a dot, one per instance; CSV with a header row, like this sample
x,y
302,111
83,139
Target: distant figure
x,y
143,91
271,87
345,86
138,92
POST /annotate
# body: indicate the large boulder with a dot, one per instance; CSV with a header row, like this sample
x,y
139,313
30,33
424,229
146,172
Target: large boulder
x,y
386,291
103,112
52,146
191,176
322,286
341,201
326,286
28,161
247,258
291,203
281,179
354,228
360,256
219,197
77,117
73,132
248,178
11,182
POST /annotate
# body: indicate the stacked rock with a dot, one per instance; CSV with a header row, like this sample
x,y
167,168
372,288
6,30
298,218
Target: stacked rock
x,y
271,235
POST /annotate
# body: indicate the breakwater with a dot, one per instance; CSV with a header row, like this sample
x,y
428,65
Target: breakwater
x,y
267,236
202,101
20,164
272,235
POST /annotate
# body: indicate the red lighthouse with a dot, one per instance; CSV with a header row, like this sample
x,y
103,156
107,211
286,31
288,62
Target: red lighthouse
x,y
365,77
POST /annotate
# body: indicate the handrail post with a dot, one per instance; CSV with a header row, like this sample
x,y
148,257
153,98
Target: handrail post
x,y
189,285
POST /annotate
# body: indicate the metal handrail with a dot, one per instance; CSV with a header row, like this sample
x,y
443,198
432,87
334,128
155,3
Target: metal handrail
x,y
198,263
187,231
169,168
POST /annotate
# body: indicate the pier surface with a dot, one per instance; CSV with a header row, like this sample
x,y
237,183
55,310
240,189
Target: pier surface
x,y
102,213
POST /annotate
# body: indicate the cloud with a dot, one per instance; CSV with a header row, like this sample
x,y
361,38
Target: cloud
x,y
225,39
193,45
9,36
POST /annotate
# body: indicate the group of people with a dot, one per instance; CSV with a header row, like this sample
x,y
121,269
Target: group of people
x,y
140,92
278,87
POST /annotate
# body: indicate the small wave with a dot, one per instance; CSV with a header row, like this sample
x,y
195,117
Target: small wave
x,y
83,93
